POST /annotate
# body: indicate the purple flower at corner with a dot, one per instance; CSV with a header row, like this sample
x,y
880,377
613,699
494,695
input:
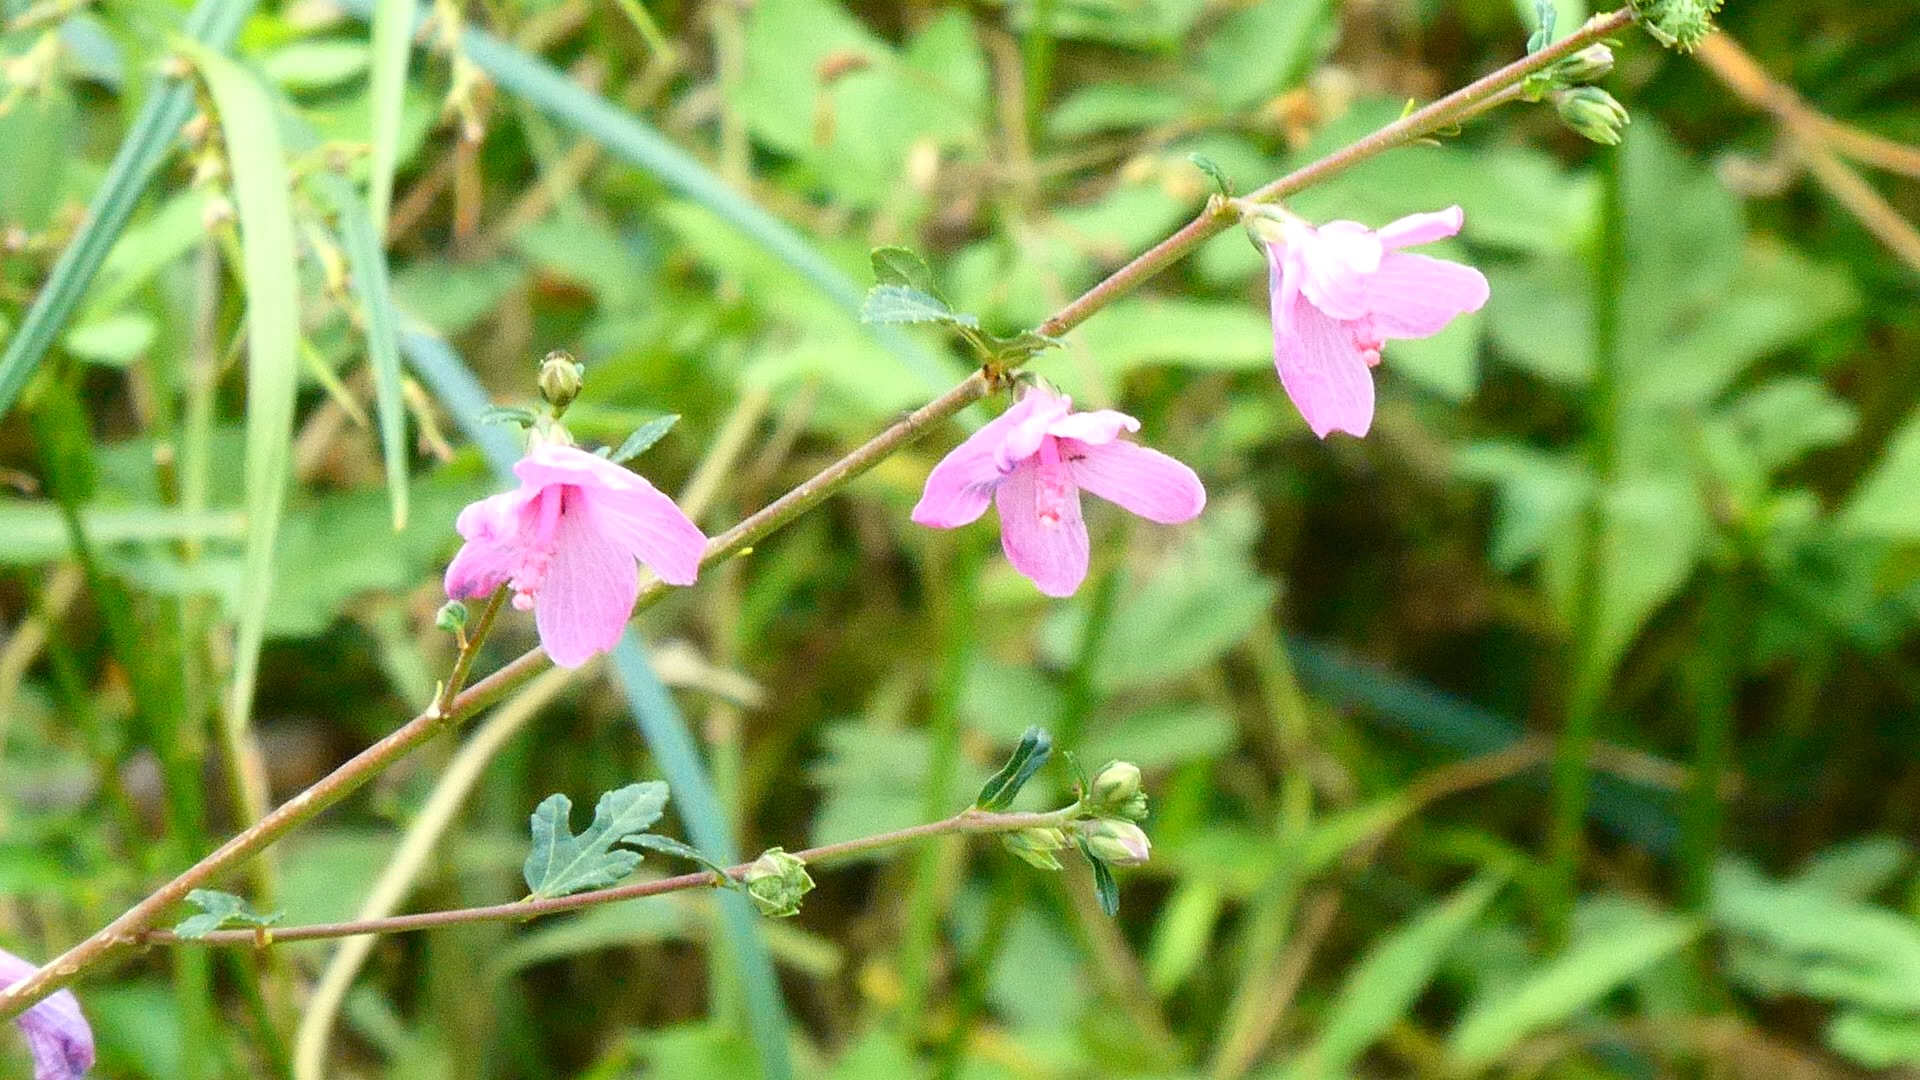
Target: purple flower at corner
x,y
1342,291
57,1034
1033,461
566,541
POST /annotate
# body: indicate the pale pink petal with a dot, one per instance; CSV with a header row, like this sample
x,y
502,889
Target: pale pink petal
x,y
1047,543
651,527
960,486
588,592
550,463
1032,415
1422,228
1324,371
1096,427
1414,296
491,553
1135,478
57,1034
1335,261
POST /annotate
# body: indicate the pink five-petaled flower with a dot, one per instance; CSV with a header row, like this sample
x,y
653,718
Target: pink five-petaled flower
x,y
1033,461
57,1035
565,541
1342,291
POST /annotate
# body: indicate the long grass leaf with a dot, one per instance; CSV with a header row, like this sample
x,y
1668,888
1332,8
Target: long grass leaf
x,y
1388,980
699,808
392,47
543,86
213,23
1566,986
368,263
263,201
660,722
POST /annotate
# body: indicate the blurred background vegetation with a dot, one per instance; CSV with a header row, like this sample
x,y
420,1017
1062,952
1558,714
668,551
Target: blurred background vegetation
x,y
1343,681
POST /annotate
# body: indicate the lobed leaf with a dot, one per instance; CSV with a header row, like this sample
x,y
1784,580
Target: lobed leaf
x,y
562,863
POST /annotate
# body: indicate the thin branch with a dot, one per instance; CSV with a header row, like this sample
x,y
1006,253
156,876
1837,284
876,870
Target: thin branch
x,y
968,822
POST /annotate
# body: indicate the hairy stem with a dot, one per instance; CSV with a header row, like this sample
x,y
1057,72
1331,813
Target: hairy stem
x,y
965,823
454,704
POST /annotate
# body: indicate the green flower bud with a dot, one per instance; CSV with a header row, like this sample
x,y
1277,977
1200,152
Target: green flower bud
x,y
1036,846
776,881
561,377
1593,113
1119,843
1585,66
1116,783
452,617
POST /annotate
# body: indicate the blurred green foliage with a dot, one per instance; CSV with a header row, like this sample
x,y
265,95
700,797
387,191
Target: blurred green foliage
x,y
1340,682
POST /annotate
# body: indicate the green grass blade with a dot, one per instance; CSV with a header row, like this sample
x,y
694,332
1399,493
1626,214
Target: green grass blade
x,y
1388,981
368,263
214,23
699,808
263,201
543,86
392,47
661,725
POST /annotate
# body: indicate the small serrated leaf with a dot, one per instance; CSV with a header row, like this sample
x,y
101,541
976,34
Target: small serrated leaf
x,y
644,437
999,791
562,864
897,304
899,266
218,909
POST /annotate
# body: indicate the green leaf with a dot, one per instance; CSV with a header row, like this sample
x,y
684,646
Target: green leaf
x,y
148,144
392,47
892,304
1384,985
518,415
644,437
261,193
1105,889
1884,504
667,845
900,266
1001,788
1575,981
562,863
220,909
368,262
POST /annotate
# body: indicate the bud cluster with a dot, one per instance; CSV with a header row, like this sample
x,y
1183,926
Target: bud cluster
x,y
776,881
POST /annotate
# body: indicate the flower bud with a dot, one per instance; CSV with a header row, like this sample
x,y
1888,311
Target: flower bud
x,y
561,377
1590,63
1114,785
1593,113
1119,843
1036,846
452,617
776,881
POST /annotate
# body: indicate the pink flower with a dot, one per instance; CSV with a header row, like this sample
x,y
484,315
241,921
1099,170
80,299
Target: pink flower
x,y
1033,461
1342,291
566,541
57,1034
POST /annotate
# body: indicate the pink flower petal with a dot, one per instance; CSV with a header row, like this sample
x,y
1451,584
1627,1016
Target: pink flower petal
x,y
1335,261
650,526
1415,296
1422,228
1031,416
588,593
57,1033
1048,544
1323,370
550,463
489,556
1135,478
960,486
1093,428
